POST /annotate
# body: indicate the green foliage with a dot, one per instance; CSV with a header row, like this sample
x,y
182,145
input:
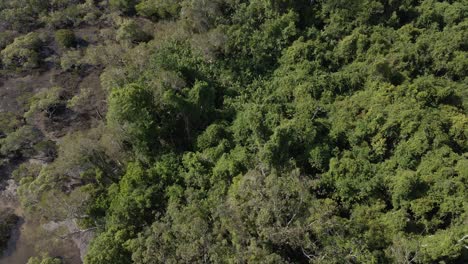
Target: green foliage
x,y
22,53
71,14
338,139
6,38
26,15
9,122
131,110
45,101
71,59
130,32
21,15
258,37
158,9
108,248
258,132
65,38
44,260
20,142
26,170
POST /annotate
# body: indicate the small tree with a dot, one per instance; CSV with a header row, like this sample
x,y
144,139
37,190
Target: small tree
x,y
158,9
65,38
126,6
44,260
6,38
23,52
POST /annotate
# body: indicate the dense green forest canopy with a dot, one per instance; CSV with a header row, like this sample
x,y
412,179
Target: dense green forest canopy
x,y
235,131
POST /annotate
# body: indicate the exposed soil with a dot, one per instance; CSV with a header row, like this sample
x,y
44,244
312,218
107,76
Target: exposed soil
x,y
16,91
28,236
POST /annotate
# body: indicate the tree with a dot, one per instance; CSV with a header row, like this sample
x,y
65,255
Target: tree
x,y
131,110
44,260
130,32
158,9
65,38
126,6
22,53
262,131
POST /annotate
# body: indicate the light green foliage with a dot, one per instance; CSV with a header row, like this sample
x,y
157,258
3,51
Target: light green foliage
x,y
44,260
262,131
71,14
136,193
46,101
131,110
22,53
25,15
340,139
20,142
81,166
108,248
26,170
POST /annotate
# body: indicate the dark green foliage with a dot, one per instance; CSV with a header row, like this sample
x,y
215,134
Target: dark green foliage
x,y
44,260
6,38
126,6
337,139
65,38
20,143
158,9
27,15
8,221
21,15
132,110
130,32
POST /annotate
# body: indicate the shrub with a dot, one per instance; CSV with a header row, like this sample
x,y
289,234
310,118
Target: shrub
x,y
126,6
65,38
130,32
23,52
71,16
6,38
45,101
26,169
8,122
71,60
158,9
